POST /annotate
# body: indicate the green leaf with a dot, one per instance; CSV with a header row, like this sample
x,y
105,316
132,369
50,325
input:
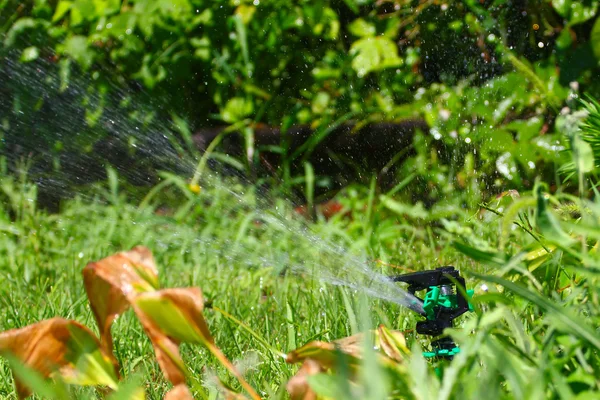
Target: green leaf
x,y
177,313
328,386
77,48
121,26
350,311
106,7
19,27
30,54
547,222
82,10
245,12
392,28
583,154
242,40
414,211
498,142
374,54
587,395
64,72
494,259
374,380
420,382
352,6
196,42
361,28
309,175
132,389
568,318
564,40
62,8
291,331
595,39
526,128
175,8
367,56
204,18
92,367
237,109
320,102
326,73
506,165
583,10
184,130
151,73
576,11
562,7
32,379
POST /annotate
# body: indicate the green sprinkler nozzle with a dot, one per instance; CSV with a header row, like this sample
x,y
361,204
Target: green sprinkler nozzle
x,y
441,305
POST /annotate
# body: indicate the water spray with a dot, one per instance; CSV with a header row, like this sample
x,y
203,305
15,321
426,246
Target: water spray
x,y
446,299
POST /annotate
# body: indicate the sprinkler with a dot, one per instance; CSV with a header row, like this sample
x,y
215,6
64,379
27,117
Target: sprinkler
x,y
441,305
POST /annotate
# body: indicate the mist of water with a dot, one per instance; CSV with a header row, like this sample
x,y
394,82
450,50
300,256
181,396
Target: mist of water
x,y
329,261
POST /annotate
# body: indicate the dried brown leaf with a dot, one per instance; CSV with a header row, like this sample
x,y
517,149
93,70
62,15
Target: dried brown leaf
x,y
172,316
179,392
392,343
169,316
298,386
112,283
320,356
59,346
326,353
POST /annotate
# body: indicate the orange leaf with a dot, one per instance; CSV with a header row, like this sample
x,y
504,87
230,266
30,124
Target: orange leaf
x,y
172,316
326,353
392,343
298,386
179,392
59,346
185,305
169,316
320,356
112,282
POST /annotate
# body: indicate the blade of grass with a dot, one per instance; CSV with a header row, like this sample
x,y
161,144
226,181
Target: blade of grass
x,y
255,335
569,318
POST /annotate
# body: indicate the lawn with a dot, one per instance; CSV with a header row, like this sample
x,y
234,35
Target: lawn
x,y
273,281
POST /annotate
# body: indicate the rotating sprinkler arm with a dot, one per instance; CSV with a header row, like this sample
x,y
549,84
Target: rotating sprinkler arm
x,y
441,305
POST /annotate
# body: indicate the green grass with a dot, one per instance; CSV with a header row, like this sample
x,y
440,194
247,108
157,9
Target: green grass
x,y
241,247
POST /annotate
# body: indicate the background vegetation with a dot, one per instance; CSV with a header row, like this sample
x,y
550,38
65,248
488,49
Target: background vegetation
x,y
100,101
491,79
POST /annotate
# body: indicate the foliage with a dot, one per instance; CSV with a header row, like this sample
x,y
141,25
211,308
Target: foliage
x,y
499,85
590,132
75,71
59,345
70,350
536,315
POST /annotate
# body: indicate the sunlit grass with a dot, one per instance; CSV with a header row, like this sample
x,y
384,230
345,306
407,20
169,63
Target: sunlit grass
x,y
257,264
